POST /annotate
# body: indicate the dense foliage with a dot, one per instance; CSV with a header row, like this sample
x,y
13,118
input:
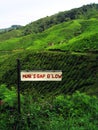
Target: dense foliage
x,y
79,71
75,112
85,12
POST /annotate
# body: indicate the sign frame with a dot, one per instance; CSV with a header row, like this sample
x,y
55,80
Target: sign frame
x,y
40,75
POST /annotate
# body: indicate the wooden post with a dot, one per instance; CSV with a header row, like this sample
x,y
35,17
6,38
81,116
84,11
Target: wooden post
x,y
18,84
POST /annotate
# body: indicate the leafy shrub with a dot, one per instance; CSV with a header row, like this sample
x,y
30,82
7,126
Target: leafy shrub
x,y
9,97
75,112
76,105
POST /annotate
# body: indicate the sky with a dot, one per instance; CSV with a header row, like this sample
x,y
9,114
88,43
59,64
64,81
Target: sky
x,y
22,12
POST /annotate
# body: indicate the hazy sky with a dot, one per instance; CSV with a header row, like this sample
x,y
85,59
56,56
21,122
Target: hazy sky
x,y
22,12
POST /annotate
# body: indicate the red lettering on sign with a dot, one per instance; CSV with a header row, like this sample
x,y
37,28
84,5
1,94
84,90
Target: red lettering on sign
x,y
34,75
27,76
48,75
54,76
60,76
40,75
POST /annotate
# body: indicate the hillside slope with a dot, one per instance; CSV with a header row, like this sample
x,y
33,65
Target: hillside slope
x,y
84,12
69,45
75,35
79,71
84,38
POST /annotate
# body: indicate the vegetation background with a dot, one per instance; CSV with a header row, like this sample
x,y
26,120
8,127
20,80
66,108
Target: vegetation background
x,y
65,41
